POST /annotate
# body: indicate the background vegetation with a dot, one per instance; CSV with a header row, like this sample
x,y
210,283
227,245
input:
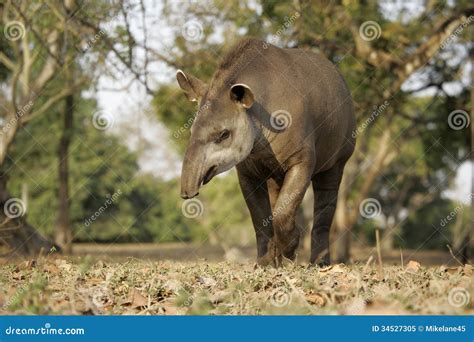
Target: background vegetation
x,y
64,162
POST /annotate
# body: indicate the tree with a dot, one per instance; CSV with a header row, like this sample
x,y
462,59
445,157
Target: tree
x,y
34,58
42,63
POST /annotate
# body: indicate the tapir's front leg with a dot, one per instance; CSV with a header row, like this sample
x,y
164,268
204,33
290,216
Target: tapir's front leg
x,y
256,196
296,182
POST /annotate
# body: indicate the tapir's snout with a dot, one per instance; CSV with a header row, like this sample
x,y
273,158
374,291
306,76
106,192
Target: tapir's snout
x,y
190,182
185,195
191,178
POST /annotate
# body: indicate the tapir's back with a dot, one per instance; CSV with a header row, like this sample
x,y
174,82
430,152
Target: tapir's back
x,y
304,84
311,89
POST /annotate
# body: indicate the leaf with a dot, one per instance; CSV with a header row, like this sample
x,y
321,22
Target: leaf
x,y
339,268
326,269
169,308
28,265
413,266
138,300
316,299
51,268
468,270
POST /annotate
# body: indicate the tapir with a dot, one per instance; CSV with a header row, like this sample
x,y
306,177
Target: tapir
x,y
284,118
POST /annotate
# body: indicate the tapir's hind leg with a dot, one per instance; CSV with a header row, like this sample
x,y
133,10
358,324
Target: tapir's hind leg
x,y
325,186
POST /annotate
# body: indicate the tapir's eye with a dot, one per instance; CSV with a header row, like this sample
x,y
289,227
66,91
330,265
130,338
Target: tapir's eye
x,y
223,136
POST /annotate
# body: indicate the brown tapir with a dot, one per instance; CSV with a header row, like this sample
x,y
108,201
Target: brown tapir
x,y
284,118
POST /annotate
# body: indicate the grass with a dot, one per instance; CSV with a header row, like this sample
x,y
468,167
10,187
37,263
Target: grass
x,y
84,286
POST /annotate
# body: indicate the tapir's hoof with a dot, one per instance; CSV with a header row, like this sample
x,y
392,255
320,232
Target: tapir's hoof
x,y
270,260
319,263
273,256
290,254
264,261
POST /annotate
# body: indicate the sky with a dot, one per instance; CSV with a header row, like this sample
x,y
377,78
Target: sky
x,y
132,118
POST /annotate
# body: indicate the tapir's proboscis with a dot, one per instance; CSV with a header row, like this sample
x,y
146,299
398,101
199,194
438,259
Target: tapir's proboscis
x,y
284,118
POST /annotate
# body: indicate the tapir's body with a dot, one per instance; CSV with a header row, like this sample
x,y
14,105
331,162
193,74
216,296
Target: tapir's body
x,y
295,109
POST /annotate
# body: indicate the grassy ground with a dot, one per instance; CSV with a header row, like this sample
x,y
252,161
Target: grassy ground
x,y
83,286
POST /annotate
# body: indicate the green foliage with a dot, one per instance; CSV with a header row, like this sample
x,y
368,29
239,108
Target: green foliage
x,y
101,169
427,150
428,228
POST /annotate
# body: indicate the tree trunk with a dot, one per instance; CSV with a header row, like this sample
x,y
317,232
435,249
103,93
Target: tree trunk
x,y
63,234
460,239
388,237
15,232
345,217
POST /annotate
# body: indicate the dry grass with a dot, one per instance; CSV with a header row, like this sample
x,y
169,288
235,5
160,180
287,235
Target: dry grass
x,y
82,286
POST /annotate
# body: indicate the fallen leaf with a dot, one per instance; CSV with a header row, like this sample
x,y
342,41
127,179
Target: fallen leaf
x,y
95,281
51,268
453,270
138,300
468,270
413,266
18,276
339,268
316,299
169,308
28,265
325,269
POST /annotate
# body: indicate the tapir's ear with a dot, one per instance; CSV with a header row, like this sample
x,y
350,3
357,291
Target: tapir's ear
x,y
192,86
243,94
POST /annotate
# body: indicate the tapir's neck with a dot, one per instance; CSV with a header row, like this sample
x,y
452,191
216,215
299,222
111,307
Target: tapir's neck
x,y
262,136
